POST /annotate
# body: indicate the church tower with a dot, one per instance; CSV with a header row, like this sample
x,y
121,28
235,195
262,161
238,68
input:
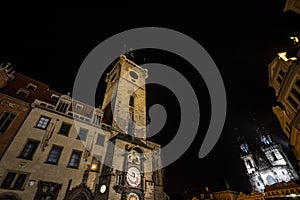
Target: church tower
x,y
132,162
267,165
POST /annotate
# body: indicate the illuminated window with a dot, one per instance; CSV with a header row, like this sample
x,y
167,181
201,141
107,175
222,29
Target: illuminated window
x,y
29,149
65,129
54,154
75,159
5,120
43,122
14,181
96,163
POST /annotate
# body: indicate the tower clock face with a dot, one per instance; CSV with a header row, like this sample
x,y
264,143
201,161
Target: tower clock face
x,y
133,196
133,176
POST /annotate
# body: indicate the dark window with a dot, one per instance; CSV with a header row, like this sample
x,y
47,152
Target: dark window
x,y
131,101
279,80
292,102
249,163
47,191
274,156
43,122
54,99
8,180
6,120
14,181
75,159
100,140
64,129
54,154
20,182
23,93
298,83
281,73
29,149
31,86
82,134
296,94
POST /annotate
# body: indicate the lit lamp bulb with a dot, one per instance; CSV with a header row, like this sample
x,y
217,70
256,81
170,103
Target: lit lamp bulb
x,y
94,167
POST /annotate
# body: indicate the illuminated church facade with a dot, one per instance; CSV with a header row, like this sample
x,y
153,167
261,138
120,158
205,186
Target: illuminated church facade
x,y
266,166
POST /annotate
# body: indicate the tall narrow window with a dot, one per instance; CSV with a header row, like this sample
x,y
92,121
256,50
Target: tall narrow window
x,y
43,122
292,102
5,120
62,107
296,94
29,149
75,159
65,129
54,154
274,156
131,101
249,163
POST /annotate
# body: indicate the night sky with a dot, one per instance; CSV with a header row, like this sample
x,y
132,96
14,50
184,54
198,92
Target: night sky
x,y
242,38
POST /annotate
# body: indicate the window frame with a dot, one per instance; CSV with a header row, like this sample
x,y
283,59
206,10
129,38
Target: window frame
x,y
40,126
58,157
97,140
13,183
36,142
78,161
6,120
68,130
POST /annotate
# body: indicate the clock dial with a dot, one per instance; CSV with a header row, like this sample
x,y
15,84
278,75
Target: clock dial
x,y
133,196
133,176
103,188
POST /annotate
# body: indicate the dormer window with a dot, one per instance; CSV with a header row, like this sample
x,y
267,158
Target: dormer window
x,y
79,107
54,98
31,87
62,106
23,93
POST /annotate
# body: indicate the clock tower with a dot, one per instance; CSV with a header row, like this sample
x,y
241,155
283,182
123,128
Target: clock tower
x,y
131,163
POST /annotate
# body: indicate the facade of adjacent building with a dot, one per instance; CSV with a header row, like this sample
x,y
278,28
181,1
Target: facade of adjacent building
x,y
284,77
13,111
268,165
58,145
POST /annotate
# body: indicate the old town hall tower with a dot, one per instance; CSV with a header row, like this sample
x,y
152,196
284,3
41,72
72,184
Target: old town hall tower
x,y
132,161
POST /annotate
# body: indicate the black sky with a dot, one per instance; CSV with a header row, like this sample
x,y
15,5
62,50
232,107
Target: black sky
x,y
49,45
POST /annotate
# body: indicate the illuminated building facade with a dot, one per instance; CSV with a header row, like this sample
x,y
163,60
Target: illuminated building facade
x,y
267,166
284,77
58,149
